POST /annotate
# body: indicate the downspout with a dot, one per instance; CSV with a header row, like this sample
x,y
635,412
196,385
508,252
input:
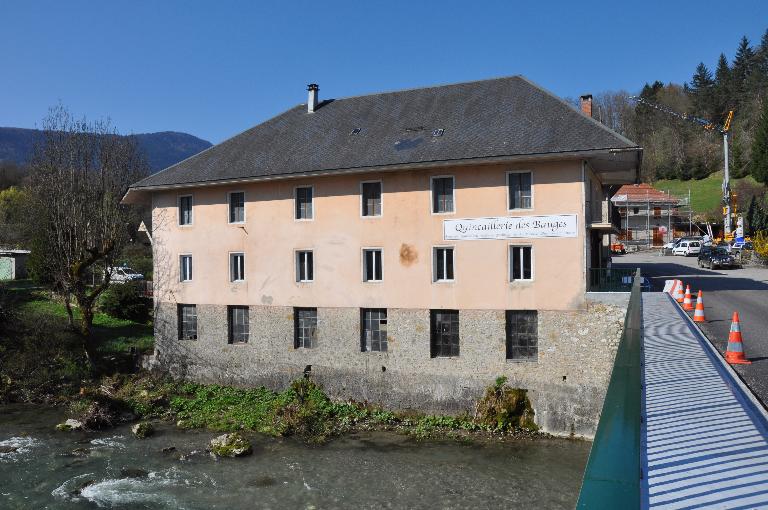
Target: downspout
x,y
584,277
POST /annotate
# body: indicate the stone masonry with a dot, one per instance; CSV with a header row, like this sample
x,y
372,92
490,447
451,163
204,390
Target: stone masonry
x,y
566,384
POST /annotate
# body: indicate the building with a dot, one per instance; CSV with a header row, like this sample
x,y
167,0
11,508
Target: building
x,y
13,264
649,217
404,248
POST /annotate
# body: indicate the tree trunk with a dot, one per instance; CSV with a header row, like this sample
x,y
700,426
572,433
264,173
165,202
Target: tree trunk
x,y
68,306
86,326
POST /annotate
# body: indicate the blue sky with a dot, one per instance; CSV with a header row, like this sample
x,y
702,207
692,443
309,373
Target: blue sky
x,y
213,69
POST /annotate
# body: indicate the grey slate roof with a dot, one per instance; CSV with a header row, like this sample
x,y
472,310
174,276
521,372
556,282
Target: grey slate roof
x,y
491,118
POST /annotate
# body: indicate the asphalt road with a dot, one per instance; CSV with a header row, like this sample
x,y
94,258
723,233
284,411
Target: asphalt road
x,y
743,290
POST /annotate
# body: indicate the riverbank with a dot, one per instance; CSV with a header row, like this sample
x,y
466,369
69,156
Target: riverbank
x,y
303,410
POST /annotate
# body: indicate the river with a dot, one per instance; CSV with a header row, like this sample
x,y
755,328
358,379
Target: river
x,y
111,469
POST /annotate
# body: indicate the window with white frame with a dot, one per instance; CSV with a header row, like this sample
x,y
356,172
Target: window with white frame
x,y
519,185
305,271
303,201
187,321
185,210
237,324
442,195
237,207
371,198
185,268
442,264
305,328
236,267
373,329
372,265
520,263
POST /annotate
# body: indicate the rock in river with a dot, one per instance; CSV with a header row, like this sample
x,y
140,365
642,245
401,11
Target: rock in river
x,y
230,445
143,429
70,424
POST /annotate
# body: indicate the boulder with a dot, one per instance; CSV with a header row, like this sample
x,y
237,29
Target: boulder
x,y
133,473
230,445
8,449
70,424
143,429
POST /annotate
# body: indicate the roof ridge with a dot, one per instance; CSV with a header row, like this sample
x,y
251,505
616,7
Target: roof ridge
x,y
411,89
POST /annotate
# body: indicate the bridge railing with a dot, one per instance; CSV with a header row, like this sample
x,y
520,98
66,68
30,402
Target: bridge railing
x,y
612,477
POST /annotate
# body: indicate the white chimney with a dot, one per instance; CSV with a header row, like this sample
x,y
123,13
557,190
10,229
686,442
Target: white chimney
x,y
312,100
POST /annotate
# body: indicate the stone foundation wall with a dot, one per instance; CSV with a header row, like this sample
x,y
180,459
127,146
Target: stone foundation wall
x,y
566,384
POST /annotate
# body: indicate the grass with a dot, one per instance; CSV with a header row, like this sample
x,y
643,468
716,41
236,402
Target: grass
x,y
706,193
113,335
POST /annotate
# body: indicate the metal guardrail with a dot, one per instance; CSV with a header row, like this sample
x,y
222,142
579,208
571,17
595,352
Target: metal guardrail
x,y
613,473
610,280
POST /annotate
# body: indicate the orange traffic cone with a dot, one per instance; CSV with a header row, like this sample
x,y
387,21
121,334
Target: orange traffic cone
x,y
698,314
687,304
679,293
734,354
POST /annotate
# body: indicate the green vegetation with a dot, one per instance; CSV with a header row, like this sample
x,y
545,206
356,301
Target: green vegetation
x,y
125,301
706,194
41,357
302,410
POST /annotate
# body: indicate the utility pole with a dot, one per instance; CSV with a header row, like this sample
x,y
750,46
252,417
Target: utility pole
x,y
647,219
726,188
690,222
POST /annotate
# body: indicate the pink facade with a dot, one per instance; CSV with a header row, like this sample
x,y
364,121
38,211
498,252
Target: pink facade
x,y
406,232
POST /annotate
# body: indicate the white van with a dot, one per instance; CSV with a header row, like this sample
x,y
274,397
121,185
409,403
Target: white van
x,y
687,248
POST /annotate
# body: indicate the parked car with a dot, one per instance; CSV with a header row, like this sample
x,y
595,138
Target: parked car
x,y
714,257
687,248
124,274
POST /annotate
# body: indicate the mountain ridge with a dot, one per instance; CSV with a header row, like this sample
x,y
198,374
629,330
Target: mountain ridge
x,y
162,149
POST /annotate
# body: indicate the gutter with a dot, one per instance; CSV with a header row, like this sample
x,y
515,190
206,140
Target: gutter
x,y
131,196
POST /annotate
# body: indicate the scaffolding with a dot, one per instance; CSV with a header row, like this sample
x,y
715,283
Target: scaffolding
x,y
651,218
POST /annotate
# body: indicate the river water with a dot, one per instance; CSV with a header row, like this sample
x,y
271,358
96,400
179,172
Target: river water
x,y
112,469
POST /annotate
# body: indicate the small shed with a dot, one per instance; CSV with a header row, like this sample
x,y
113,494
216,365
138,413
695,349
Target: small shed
x,y
13,264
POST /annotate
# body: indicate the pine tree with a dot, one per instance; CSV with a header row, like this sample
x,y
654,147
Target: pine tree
x,y
743,65
760,72
751,214
723,87
700,90
758,165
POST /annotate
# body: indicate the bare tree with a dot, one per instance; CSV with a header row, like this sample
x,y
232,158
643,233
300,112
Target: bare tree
x,y
78,175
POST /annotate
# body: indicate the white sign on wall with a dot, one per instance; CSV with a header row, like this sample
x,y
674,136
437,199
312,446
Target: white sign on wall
x,y
511,227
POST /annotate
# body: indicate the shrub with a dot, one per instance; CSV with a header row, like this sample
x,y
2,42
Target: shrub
x,y
503,408
124,301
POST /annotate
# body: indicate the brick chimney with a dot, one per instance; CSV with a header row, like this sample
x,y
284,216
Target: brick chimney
x,y
312,99
585,102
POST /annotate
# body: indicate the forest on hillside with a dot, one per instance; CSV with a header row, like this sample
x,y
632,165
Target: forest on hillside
x,y
676,149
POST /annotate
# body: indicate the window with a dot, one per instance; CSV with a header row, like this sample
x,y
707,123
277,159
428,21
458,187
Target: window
x,y
305,271
520,263
519,184
374,330
187,315
185,210
185,268
304,203
237,207
371,197
522,334
305,328
236,267
444,333
636,210
442,194
443,265
372,265
237,324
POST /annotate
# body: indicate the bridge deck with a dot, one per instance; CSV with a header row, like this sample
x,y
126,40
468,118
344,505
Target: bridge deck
x,y
704,437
